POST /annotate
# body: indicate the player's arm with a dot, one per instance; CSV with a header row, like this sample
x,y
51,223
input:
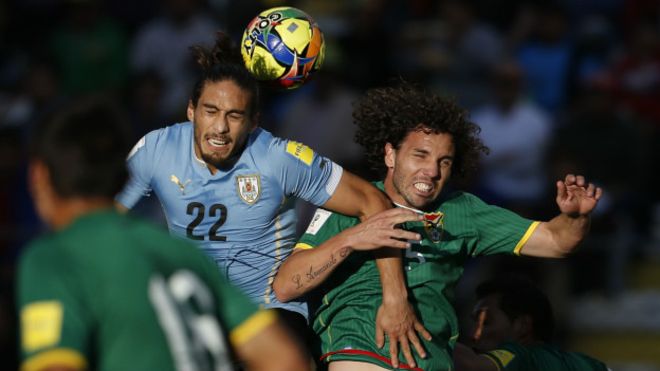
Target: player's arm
x,y
395,318
465,359
306,268
561,235
271,349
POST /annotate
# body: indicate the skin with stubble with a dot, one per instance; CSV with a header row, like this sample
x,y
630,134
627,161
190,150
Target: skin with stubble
x,y
419,169
222,121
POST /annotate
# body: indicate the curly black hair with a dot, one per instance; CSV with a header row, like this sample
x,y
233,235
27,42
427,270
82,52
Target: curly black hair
x,y
223,62
387,115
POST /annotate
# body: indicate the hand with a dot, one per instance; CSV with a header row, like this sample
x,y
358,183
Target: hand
x,y
575,197
380,230
398,321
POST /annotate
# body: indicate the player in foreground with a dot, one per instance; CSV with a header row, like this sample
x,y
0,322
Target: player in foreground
x,y
513,327
107,292
419,140
231,186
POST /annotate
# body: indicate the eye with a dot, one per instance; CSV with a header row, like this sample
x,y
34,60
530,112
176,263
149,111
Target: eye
x,y
235,116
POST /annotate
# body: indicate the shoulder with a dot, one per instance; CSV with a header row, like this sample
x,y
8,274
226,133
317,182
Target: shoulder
x,y
267,147
174,135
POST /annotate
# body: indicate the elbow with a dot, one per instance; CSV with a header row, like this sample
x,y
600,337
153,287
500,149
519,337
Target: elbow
x,y
282,292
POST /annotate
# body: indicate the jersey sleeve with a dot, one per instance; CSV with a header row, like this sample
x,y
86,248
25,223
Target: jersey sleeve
x,y
498,230
304,173
54,327
140,162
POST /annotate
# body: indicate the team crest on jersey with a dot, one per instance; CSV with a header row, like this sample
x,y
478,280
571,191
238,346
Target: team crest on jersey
x,y
434,225
249,187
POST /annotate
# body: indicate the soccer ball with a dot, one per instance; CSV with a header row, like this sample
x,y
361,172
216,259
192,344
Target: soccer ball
x,y
283,46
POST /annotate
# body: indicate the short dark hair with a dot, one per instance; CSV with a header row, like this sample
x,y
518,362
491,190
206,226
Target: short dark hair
x,y
223,62
84,146
388,115
518,296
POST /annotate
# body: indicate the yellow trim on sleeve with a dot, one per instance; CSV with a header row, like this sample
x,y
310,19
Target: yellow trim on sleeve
x,y
58,356
525,237
492,359
251,326
303,246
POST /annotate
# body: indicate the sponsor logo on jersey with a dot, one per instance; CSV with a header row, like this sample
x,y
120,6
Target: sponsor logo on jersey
x,y
318,220
182,186
41,324
300,151
249,187
434,225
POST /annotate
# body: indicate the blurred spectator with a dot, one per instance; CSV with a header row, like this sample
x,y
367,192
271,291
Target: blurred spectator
x,y
90,49
162,46
39,92
518,132
545,56
144,97
458,54
608,148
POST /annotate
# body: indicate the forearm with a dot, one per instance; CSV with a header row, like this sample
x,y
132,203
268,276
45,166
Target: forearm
x,y
357,197
390,267
306,269
568,231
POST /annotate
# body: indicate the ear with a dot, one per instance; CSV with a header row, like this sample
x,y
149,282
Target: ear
x,y
190,111
390,155
523,327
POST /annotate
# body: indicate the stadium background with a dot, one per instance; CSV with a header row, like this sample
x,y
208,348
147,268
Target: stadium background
x,y
580,80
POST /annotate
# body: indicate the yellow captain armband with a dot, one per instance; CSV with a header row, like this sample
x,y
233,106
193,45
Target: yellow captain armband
x,y
300,151
41,324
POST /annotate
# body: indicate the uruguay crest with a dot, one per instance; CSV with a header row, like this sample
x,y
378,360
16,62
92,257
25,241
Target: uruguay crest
x,y
249,187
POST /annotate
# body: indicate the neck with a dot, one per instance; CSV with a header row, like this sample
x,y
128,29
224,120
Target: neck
x,y
70,209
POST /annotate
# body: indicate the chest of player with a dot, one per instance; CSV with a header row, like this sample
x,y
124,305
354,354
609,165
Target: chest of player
x,y
442,243
240,204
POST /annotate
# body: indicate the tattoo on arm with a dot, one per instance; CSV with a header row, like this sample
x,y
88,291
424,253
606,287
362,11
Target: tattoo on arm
x,y
296,280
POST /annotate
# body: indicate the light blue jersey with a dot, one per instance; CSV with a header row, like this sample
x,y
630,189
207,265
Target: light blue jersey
x,y
243,218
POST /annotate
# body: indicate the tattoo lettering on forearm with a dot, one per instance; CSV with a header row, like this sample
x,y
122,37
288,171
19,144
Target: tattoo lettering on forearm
x,y
313,274
296,280
344,252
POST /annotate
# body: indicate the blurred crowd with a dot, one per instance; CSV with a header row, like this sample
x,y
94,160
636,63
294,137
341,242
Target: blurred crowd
x,y
557,87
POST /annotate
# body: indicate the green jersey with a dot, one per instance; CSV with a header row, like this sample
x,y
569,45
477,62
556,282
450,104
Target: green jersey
x,y
460,227
112,293
514,357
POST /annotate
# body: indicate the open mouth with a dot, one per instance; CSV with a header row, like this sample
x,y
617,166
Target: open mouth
x,y
423,188
218,143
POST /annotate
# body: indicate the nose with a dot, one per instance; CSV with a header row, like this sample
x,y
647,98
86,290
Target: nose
x,y
221,124
479,326
431,169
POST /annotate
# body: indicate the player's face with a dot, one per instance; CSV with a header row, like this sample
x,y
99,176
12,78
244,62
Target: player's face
x,y
492,327
222,121
419,169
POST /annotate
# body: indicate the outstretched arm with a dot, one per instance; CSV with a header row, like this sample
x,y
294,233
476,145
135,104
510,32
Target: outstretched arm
x,y
560,236
307,268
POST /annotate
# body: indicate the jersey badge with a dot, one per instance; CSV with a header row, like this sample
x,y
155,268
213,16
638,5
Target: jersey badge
x,y
434,225
300,151
320,216
41,324
249,187
182,186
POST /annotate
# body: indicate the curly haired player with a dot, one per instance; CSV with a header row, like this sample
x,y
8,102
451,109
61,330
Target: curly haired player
x,y
418,140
